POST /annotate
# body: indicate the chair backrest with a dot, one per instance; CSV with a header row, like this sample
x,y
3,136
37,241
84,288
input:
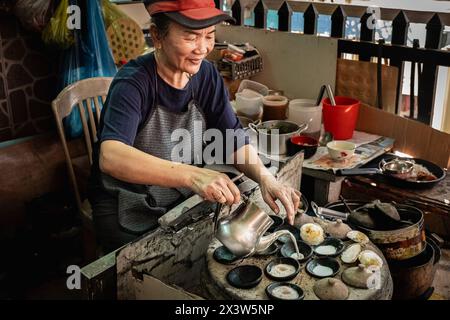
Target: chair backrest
x,y
79,95
358,79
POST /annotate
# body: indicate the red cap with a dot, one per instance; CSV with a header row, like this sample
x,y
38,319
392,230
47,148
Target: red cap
x,y
193,14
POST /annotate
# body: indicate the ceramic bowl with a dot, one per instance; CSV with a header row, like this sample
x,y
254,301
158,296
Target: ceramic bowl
x,y
224,256
305,249
314,265
277,221
245,277
337,244
294,230
340,150
271,250
271,287
284,261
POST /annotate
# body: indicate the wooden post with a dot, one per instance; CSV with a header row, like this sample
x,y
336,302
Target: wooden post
x,y
338,19
261,15
238,13
285,17
427,82
400,27
367,33
310,20
435,27
219,4
412,99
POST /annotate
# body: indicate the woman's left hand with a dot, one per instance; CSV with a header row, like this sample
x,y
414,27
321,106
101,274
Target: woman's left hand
x,y
273,190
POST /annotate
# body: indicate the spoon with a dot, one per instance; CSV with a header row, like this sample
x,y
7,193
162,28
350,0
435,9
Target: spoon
x,y
325,138
358,218
400,221
321,92
331,95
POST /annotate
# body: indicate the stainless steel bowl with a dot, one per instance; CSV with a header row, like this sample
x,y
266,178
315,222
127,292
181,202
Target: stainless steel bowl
x,y
272,143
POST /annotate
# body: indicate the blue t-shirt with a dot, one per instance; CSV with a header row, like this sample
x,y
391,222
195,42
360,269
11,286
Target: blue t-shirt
x,y
132,95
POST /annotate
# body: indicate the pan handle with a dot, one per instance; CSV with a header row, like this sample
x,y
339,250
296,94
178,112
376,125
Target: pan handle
x,y
358,171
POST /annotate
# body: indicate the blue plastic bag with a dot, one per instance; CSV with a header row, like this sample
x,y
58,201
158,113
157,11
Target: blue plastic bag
x,y
89,57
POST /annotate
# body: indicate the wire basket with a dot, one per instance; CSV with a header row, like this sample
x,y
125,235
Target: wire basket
x,y
245,68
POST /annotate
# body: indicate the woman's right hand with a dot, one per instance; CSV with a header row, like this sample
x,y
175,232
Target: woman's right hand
x,y
214,186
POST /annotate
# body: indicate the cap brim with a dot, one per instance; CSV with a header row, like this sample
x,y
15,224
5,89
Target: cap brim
x,y
200,18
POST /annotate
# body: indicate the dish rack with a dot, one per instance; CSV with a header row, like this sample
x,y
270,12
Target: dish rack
x,y
246,67
242,69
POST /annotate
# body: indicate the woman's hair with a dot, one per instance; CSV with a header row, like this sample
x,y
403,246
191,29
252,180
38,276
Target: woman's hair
x,y
161,23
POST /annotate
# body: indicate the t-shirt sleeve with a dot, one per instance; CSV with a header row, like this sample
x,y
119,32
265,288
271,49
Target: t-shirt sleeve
x,y
123,113
220,114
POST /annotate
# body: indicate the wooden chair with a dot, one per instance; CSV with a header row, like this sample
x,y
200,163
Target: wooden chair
x,y
79,95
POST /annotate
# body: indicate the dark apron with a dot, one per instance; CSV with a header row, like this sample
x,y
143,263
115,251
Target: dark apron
x,y
134,209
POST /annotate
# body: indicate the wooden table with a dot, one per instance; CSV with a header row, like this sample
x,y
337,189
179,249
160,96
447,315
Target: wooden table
x,y
320,186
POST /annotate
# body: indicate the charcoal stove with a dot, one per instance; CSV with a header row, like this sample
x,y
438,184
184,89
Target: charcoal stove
x,y
217,273
413,276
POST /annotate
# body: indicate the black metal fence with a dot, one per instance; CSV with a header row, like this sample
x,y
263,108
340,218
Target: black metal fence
x,y
428,58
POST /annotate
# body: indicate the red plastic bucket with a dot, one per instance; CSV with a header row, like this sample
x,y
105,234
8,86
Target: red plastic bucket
x,y
341,119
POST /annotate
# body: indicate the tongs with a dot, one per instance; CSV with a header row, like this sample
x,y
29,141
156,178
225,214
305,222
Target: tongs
x,y
327,214
330,95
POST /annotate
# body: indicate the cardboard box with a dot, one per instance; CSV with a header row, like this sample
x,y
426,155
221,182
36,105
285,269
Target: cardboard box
x,y
411,137
150,288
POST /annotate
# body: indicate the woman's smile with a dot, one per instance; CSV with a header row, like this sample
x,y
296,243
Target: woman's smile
x,y
195,61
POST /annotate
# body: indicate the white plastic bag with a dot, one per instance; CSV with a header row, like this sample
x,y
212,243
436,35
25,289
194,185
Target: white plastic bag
x,y
33,14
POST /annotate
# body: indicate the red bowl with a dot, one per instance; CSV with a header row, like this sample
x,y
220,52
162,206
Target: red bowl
x,y
302,143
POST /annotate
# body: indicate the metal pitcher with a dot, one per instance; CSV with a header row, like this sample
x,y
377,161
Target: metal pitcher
x,y
243,231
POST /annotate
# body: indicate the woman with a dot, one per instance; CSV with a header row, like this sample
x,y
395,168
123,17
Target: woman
x,y
134,180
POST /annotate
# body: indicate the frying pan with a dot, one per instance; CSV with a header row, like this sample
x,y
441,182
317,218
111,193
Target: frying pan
x,y
402,183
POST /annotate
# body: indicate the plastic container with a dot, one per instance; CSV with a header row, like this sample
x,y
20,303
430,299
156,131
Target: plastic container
x,y
341,119
302,110
249,104
275,108
254,86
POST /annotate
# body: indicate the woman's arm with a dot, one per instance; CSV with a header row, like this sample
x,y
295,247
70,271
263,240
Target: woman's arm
x,y
247,161
131,165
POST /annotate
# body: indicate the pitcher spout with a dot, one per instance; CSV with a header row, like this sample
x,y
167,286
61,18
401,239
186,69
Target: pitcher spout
x,y
266,241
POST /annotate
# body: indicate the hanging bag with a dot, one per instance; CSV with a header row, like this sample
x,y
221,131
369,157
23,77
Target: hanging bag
x,y
56,33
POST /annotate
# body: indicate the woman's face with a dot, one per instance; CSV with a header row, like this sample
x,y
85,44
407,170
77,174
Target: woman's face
x,y
184,49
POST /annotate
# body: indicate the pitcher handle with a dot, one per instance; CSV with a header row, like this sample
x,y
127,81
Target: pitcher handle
x,y
219,207
305,127
253,126
301,128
